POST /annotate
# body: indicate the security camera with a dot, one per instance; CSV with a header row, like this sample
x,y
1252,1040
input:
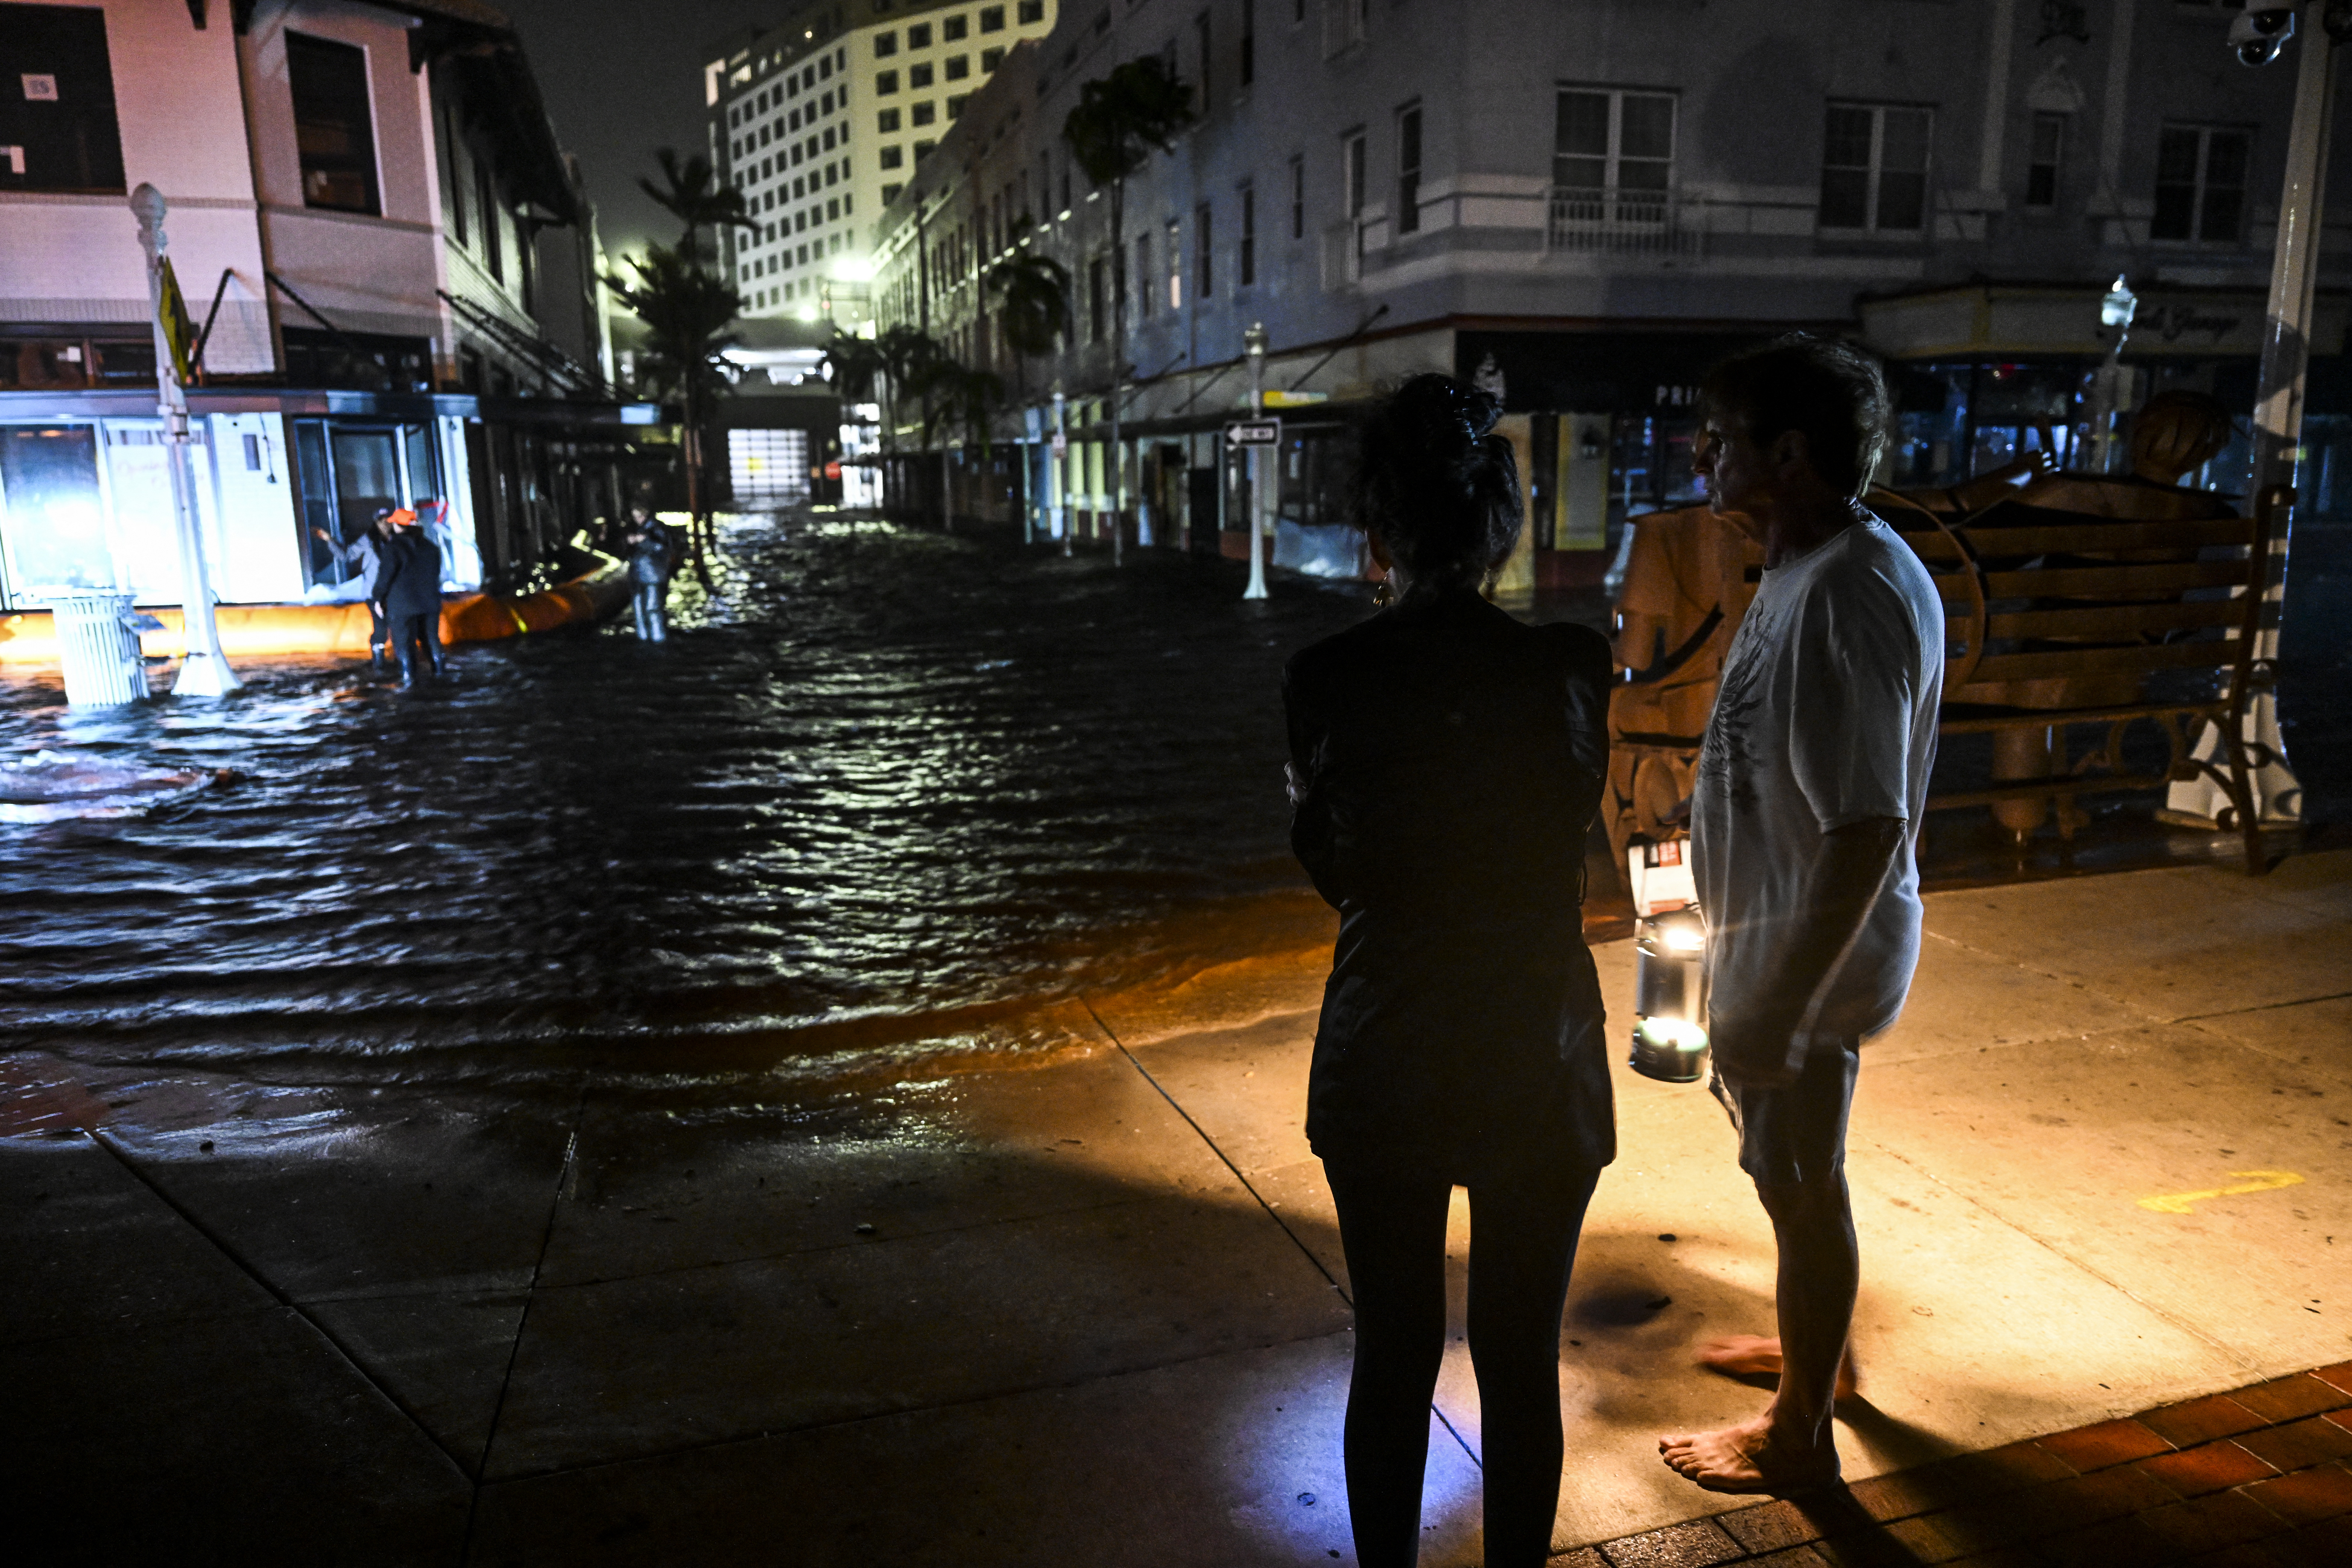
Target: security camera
x,y
2257,35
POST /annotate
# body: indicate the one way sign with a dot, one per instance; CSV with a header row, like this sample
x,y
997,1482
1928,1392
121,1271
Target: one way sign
x,y
1253,432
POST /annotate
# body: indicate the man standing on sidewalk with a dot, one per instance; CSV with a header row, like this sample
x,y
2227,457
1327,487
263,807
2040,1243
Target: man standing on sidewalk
x,y
1811,783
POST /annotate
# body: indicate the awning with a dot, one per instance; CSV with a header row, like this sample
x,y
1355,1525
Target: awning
x,y
1990,321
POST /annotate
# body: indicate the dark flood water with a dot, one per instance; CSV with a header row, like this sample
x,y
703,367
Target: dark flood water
x,y
882,792
879,785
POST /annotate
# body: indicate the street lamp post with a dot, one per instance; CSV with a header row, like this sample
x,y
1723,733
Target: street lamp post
x,y
1254,345
204,670
1058,469
2256,37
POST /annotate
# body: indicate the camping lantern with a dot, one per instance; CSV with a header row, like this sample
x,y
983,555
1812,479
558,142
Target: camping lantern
x,y
1669,965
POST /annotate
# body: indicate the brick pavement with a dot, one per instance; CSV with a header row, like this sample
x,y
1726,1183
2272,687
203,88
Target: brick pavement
x,y
2256,1477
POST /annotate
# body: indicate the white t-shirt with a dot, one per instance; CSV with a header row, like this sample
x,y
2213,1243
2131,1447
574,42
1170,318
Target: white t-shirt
x,y
1825,716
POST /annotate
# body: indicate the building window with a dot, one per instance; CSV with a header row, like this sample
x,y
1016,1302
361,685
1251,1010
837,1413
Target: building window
x,y
1032,11
1246,270
992,18
58,128
335,131
1204,253
1352,163
919,76
885,83
1408,195
486,204
887,122
955,104
1175,264
925,113
890,193
1095,316
2200,183
1143,276
918,37
990,59
1343,25
951,28
2042,165
958,67
1200,52
885,45
1874,168
1299,198
1614,151
923,150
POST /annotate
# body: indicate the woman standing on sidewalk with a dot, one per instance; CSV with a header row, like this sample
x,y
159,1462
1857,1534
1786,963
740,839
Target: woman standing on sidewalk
x,y
1445,765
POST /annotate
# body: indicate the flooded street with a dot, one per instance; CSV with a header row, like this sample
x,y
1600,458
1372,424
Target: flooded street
x,y
885,794
881,788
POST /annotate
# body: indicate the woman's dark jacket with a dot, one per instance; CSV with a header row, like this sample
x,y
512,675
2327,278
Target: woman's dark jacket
x,y
1453,760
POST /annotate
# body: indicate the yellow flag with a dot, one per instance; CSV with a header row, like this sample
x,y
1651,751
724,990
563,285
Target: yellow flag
x,y
179,330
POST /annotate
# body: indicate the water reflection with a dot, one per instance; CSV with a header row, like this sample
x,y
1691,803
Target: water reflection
x,y
888,783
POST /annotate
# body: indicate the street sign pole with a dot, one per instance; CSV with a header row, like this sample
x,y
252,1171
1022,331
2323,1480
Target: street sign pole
x,y
1253,343
204,671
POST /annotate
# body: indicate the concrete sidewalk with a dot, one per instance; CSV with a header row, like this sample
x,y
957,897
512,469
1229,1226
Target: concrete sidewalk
x,y
1089,1306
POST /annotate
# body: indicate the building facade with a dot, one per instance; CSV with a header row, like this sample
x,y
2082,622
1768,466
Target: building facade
x,y
389,262
1583,203
822,120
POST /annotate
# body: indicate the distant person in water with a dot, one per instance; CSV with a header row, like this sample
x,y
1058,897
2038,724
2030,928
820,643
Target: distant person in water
x,y
648,543
1445,765
366,553
408,589
1813,779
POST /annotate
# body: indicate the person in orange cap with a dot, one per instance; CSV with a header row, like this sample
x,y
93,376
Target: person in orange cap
x,y
408,586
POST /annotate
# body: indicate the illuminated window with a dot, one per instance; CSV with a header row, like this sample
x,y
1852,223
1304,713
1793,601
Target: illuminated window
x,y
334,128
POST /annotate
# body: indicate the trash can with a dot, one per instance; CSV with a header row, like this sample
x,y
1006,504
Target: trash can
x,y
98,646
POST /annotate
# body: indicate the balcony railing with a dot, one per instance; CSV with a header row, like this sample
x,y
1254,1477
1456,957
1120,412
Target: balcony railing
x,y
1590,222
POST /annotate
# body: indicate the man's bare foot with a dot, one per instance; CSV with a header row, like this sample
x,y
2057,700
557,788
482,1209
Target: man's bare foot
x,y
1755,1355
1748,1459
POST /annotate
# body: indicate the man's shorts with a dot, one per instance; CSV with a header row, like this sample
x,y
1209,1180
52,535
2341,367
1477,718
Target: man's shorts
x,y
1796,1134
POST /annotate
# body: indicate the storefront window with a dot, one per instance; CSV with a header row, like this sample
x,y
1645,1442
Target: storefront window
x,y
52,509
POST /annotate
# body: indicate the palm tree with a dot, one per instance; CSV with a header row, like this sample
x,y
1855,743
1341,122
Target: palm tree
x,y
690,193
1118,121
1032,304
961,399
687,311
855,367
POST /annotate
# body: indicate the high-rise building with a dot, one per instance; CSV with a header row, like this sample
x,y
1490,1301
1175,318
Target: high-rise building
x,y
819,123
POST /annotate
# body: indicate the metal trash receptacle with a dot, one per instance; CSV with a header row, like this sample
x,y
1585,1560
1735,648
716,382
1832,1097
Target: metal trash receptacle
x,y
99,648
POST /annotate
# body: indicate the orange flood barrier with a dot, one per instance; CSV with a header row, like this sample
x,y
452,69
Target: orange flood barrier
x,y
27,638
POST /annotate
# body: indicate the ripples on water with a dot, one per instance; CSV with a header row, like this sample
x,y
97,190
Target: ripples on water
x,y
882,785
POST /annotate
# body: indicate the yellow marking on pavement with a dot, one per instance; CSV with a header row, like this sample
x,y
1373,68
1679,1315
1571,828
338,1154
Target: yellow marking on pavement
x,y
2248,1182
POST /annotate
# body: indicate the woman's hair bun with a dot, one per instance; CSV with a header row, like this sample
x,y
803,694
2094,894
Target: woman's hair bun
x,y
1436,483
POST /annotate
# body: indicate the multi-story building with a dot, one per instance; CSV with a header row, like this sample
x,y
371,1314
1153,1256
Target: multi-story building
x,y
389,257
822,120
1584,203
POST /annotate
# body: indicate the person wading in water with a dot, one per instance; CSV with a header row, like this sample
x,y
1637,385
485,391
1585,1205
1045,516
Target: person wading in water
x,y
1445,766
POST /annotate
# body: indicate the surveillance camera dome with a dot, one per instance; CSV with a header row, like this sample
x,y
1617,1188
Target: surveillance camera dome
x,y
2255,36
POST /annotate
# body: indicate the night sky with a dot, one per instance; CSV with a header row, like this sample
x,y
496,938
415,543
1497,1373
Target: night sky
x,y
622,77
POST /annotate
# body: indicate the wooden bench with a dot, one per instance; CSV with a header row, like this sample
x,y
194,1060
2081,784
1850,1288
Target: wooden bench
x,y
2057,618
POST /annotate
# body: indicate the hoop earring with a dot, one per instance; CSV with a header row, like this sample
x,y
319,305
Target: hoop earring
x,y
1383,595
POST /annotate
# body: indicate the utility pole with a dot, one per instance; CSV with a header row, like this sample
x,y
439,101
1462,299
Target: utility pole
x,y
1254,345
204,671
2257,36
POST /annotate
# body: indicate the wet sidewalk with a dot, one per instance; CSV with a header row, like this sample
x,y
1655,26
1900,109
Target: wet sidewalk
x,y
1089,1306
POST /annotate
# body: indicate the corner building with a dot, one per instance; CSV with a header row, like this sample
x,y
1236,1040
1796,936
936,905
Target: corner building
x,y
1584,204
